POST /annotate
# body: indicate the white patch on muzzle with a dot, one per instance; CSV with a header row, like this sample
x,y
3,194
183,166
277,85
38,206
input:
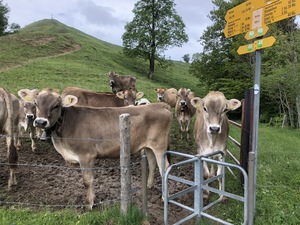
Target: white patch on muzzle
x,y
111,82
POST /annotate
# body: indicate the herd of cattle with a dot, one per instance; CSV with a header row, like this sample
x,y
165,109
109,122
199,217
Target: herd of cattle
x,y
84,125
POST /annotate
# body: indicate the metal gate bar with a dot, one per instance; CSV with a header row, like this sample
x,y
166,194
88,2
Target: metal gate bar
x,y
199,185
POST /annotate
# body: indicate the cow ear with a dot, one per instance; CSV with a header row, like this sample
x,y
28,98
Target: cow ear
x,y
69,100
233,104
120,95
25,94
197,102
35,92
139,95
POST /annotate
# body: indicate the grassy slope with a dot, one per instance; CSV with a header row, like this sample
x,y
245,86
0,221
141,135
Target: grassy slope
x,y
35,58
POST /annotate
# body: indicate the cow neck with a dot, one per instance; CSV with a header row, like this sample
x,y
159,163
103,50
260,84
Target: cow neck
x,y
57,125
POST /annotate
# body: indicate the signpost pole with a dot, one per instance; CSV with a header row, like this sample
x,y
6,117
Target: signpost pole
x,y
258,59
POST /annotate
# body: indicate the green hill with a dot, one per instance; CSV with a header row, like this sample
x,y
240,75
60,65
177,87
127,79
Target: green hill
x,y
48,53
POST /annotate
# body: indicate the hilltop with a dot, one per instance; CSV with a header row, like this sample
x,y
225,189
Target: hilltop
x,y
48,53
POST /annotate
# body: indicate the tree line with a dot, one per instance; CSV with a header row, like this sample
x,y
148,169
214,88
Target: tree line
x,y
219,67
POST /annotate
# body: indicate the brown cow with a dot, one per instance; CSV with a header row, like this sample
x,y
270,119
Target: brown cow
x,y
121,82
167,95
184,111
9,118
211,128
83,134
103,99
27,113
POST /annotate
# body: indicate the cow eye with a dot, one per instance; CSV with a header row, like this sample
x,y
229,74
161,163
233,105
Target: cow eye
x,y
205,109
55,107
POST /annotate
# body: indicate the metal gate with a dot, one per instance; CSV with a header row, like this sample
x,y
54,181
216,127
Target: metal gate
x,y
198,185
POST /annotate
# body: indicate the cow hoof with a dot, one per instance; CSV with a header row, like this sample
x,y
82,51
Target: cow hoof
x,y
224,199
205,200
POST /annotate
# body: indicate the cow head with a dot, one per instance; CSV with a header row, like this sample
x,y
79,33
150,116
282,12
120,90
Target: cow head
x,y
112,75
49,106
129,96
214,107
160,94
27,102
184,97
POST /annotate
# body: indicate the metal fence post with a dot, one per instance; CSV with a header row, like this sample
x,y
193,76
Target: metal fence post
x,y
251,188
125,161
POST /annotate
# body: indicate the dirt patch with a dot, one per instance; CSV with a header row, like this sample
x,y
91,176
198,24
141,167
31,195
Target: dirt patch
x,y
44,181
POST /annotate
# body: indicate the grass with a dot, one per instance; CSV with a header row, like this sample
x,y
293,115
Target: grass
x,y
112,215
50,54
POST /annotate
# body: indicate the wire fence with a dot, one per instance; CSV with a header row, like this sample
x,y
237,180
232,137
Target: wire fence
x,y
36,166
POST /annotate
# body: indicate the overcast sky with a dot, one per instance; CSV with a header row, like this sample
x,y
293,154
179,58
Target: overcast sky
x,y
105,19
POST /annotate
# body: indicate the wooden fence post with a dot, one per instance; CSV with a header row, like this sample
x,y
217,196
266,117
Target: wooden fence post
x,y
125,161
144,183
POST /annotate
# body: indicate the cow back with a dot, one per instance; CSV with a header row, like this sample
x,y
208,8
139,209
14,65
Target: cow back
x,y
95,99
89,130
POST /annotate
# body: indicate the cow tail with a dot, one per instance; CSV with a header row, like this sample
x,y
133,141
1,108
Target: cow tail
x,y
12,154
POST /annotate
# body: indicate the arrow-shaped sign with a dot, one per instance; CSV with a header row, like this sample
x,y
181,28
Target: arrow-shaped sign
x,y
258,32
257,45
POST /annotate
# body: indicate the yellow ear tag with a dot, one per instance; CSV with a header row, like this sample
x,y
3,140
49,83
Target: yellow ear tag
x,y
27,98
71,100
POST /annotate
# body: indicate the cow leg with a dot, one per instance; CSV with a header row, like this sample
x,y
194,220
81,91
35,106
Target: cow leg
x,y
180,126
18,138
32,137
188,129
88,177
219,171
12,160
159,157
206,175
151,165
212,172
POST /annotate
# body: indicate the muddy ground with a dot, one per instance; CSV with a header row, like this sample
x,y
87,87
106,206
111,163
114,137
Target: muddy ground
x,y
45,181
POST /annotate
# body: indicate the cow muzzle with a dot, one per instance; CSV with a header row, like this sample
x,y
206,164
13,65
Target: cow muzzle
x,y
214,129
30,116
41,123
111,83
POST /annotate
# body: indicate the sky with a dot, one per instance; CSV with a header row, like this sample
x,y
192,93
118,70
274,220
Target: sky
x,y
105,19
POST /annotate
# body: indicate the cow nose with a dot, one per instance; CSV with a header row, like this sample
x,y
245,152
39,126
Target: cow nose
x,y
111,83
182,103
40,123
30,116
160,98
214,129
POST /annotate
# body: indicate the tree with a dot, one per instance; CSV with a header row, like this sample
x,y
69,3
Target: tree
x,y
186,58
14,27
219,66
280,72
154,28
4,10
